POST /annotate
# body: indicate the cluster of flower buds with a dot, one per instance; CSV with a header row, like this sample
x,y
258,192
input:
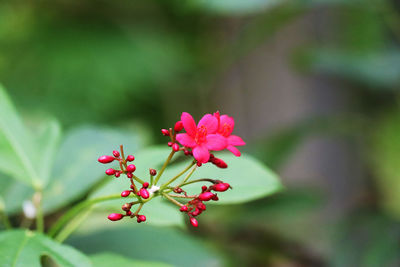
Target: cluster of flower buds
x,y
196,206
128,169
212,133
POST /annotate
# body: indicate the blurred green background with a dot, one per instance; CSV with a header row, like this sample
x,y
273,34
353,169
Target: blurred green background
x,y
313,86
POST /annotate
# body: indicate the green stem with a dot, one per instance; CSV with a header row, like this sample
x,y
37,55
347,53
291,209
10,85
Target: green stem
x,y
137,179
72,225
192,182
164,166
173,200
178,175
76,210
37,199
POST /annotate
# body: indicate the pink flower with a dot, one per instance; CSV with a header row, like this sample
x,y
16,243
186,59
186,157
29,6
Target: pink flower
x,y
225,128
201,138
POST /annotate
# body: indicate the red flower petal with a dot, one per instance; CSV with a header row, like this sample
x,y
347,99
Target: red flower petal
x,y
235,140
210,122
234,150
216,142
201,154
185,140
189,124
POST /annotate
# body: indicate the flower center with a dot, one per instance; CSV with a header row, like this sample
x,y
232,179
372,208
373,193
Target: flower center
x,y
225,130
201,134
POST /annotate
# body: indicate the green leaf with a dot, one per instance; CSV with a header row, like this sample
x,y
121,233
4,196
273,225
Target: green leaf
x,y
25,248
76,168
143,242
249,177
14,193
19,140
113,259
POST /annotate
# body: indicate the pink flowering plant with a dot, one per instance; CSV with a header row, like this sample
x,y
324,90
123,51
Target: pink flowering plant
x,y
52,186
212,133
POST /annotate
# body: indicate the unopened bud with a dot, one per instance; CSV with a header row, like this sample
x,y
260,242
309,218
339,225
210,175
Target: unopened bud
x,y
128,213
170,143
194,222
175,147
106,159
221,187
110,171
206,196
203,188
183,208
130,168
129,175
220,163
117,174
165,132
178,126
142,218
125,193
116,153
127,207
130,158
153,172
145,184
201,206
215,198
115,216
144,193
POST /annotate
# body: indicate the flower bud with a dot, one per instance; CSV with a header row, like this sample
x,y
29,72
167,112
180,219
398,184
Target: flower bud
x,y
203,188
178,126
142,218
153,172
175,147
165,132
194,222
106,159
116,153
170,143
196,212
206,196
130,158
199,164
201,206
221,187
117,174
125,193
145,184
178,190
215,198
144,193
220,163
110,171
127,207
129,175
115,216
183,208
130,168
128,213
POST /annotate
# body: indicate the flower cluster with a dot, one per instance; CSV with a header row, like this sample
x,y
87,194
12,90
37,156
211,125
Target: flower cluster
x,y
212,133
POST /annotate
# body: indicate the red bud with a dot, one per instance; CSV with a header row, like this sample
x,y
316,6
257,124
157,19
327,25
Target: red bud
x,y
144,193
116,153
194,222
206,196
215,198
115,216
178,126
196,212
175,147
183,208
221,187
129,175
145,185
129,213
130,168
106,159
220,163
117,174
165,132
110,171
142,218
125,193
170,143
203,188
153,172
130,158
201,206
126,207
